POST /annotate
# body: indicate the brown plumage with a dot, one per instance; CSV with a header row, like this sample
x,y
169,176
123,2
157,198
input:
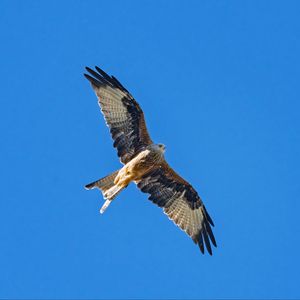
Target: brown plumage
x,y
144,163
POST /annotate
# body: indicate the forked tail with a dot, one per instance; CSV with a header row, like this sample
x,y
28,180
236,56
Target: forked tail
x,y
107,187
104,183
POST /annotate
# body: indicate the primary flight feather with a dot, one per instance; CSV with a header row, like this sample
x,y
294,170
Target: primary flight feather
x,y
144,162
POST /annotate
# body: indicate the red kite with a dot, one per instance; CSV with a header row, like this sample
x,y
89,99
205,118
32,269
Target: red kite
x,y
144,163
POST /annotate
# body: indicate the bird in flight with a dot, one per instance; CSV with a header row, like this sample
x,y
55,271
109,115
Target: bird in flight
x,y
144,163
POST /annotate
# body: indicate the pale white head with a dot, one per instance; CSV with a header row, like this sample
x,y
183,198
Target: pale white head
x,y
158,147
161,148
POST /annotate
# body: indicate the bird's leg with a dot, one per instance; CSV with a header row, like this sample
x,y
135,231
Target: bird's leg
x,y
105,206
121,181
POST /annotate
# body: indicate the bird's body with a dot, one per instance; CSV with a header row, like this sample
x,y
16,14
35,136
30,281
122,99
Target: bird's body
x,y
134,170
144,163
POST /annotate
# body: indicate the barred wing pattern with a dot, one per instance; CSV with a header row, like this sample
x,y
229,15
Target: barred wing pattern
x,y
180,202
122,114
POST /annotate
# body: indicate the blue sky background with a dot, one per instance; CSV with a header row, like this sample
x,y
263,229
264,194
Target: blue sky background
x,y
219,84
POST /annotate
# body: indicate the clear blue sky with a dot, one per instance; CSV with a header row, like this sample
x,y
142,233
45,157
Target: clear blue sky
x,y
219,84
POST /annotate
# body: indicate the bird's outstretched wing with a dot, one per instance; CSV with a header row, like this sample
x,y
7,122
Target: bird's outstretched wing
x,y
180,202
122,114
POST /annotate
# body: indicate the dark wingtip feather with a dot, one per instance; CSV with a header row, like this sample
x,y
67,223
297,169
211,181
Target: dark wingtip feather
x,y
91,71
200,243
100,70
207,243
210,233
208,216
119,84
88,69
105,75
92,80
104,79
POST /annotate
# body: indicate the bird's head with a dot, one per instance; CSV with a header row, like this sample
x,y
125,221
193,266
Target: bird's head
x,y
161,147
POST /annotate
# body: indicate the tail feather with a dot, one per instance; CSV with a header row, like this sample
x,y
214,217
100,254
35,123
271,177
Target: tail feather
x,y
104,183
107,187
